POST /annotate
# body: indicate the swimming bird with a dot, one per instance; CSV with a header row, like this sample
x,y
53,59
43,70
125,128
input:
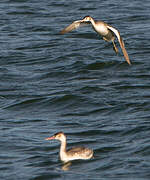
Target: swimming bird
x,y
106,31
71,154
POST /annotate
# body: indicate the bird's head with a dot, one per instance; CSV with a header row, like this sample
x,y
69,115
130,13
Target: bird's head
x,y
59,136
87,19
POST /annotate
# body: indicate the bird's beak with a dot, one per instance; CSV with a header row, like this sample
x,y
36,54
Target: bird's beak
x,y
83,21
50,138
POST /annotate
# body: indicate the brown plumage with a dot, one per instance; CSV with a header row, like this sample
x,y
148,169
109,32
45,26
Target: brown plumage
x,y
105,30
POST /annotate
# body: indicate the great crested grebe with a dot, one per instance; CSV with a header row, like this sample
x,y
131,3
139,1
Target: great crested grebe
x,y
71,154
105,30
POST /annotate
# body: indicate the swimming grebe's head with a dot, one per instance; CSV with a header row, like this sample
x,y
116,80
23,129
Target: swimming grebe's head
x,y
59,136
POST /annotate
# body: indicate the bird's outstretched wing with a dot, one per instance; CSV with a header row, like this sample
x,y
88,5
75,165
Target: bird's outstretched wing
x,y
116,32
73,26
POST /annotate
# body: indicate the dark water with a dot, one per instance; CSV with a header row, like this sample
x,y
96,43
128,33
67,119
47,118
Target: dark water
x,y
76,84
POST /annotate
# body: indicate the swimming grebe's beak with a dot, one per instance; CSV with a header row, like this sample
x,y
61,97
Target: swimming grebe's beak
x,y
50,138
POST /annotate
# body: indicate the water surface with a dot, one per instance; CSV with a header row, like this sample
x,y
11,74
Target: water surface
x,y
76,84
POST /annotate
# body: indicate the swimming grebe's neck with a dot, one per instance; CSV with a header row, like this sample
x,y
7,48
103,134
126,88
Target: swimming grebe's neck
x,y
63,148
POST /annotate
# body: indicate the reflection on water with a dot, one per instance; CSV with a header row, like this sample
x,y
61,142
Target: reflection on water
x,y
66,166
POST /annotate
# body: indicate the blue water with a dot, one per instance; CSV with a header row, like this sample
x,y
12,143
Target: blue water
x,y
73,83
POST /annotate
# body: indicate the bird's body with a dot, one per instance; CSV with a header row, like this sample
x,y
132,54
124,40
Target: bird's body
x,y
106,31
100,28
71,154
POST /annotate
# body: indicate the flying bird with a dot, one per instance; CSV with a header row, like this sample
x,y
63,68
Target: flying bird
x,y
107,32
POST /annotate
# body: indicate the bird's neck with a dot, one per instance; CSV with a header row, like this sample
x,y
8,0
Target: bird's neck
x,y
92,22
63,149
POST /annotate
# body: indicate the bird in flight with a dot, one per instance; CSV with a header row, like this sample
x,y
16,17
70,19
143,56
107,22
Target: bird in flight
x,y
106,31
